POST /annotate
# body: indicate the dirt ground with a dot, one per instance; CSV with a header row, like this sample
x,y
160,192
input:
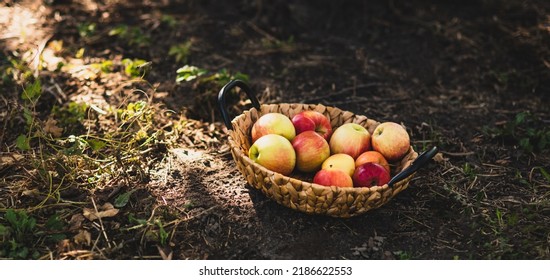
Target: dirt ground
x,y
471,77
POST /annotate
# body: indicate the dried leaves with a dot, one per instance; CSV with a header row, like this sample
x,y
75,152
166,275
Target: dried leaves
x,y
104,211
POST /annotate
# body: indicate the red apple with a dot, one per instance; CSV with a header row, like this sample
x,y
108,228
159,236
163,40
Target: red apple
x,y
343,162
273,152
372,156
311,150
370,174
351,139
391,140
333,177
312,120
273,123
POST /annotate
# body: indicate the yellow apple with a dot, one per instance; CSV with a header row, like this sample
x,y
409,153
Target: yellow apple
x,y
342,162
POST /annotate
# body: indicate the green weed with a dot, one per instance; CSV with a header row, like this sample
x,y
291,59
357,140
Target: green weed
x,y
135,68
189,73
134,36
525,130
181,52
86,29
168,20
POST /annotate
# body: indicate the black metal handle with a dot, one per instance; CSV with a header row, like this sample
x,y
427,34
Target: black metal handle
x,y
420,161
227,88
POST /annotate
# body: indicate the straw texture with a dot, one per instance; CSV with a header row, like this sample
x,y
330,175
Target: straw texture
x,y
297,190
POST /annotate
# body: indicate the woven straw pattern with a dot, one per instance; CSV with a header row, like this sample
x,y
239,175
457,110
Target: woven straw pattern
x,y
303,195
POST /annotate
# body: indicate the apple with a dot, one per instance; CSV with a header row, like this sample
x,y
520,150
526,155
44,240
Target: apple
x,y
391,140
372,156
273,152
311,151
342,162
273,123
370,174
351,139
333,177
312,120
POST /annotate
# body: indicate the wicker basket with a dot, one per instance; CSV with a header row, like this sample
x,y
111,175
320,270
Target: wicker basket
x,y
296,191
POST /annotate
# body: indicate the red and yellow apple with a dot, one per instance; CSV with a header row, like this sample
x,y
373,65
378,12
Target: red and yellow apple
x,y
274,152
342,162
273,123
351,139
311,151
333,177
372,156
370,174
312,120
391,140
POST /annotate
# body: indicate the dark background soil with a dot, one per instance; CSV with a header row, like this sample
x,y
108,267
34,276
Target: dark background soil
x,y
453,72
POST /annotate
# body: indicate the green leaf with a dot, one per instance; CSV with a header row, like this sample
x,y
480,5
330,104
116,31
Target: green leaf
x,y
11,217
188,73
27,114
32,92
135,220
4,231
123,199
96,145
54,223
119,30
545,174
22,142
163,235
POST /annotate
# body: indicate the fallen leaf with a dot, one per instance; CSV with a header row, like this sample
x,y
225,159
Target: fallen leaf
x,y
83,237
106,210
31,193
165,253
51,127
76,222
439,158
9,159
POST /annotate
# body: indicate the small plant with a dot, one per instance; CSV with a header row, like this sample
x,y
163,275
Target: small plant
x,y
188,73
180,52
132,35
169,20
31,93
105,66
86,29
135,68
525,130
18,232
469,170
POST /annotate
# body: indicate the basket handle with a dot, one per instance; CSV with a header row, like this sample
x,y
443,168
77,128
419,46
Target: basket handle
x,y
420,161
227,88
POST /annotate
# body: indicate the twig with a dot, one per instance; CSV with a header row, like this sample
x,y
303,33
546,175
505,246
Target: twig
x,y
453,154
101,224
417,221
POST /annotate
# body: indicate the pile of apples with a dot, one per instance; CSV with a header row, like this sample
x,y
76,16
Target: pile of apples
x,y
349,156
